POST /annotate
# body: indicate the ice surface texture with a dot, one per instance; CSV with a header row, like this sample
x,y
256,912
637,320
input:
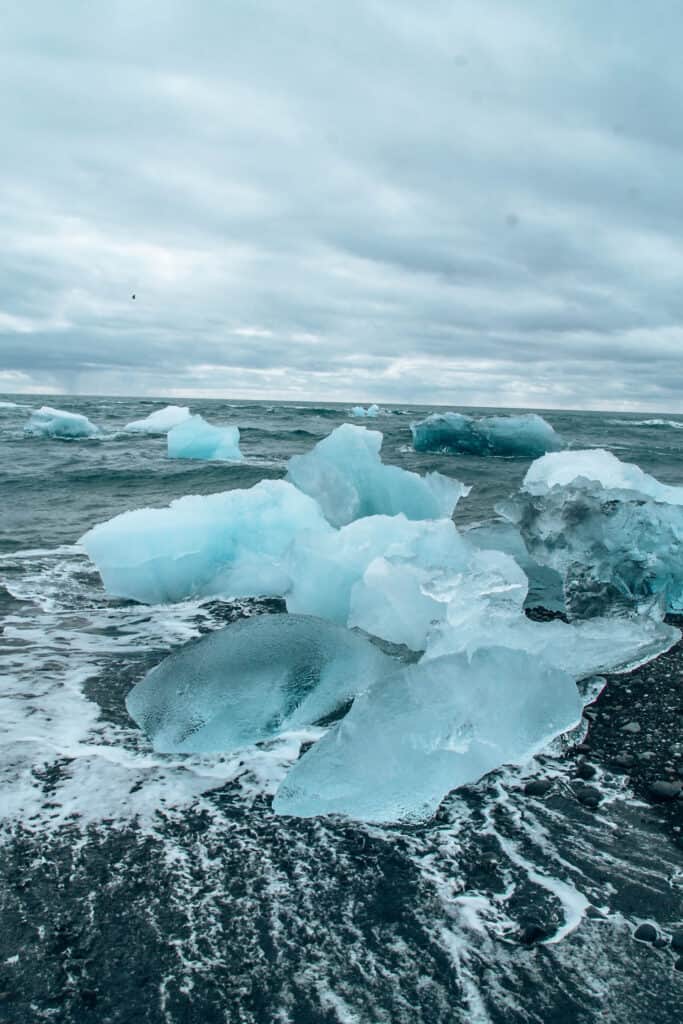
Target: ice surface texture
x,y
228,543
422,731
159,422
256,677
613,533
345,474
526,435
360,411
194,438
47,422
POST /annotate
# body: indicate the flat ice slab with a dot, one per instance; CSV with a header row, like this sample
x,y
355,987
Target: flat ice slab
x,y
253,679
48,422
159,422
194,438
426,729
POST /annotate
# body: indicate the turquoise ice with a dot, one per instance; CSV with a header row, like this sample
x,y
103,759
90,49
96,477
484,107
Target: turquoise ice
x,y
48,422
194,438
525,435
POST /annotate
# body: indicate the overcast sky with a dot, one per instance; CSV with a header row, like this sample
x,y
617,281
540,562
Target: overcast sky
x,y
379,200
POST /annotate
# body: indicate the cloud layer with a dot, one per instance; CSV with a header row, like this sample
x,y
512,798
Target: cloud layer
x,y
450,203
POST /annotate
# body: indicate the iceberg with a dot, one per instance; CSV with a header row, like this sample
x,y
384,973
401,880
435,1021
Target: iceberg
x,y
159,422
345,474
48,422
257,677
613,533
422,731
194,438
360,411
231,543
527,435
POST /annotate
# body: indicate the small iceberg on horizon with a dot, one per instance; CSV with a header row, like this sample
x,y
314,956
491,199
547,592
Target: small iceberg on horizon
x,y
194,438
253,679
370,412
522,435
58,423
159,422
344,472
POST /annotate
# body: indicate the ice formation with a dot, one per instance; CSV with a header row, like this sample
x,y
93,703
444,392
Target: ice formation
x,y
232,543
159,422
47,422
255,678
614,533
360,411
545,584
345,474
194,438
422,731
526,435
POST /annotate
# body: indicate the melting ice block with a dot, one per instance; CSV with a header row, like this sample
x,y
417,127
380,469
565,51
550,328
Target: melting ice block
x,y
614,533
360,411
345,473
251,680
194,438
47,422
426,729
159,422
527,435
232,543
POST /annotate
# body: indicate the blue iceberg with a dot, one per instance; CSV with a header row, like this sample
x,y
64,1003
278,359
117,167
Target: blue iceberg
x,y
257,677
159,422
48,422
194,438
345,474
361,412
528,435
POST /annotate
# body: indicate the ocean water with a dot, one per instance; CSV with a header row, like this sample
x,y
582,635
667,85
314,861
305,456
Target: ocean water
x,y
160,888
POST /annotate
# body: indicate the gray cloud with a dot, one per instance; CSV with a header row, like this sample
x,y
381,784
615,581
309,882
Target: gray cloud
x,y
469,202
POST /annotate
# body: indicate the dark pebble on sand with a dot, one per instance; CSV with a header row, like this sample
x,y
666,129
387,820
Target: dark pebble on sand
x,y
660,942
645,933
679,964
537,787
662,790
677,939
624,760
588,796
585,771
531,933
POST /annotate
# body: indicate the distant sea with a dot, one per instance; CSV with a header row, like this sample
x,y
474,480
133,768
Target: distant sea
x,y
140,887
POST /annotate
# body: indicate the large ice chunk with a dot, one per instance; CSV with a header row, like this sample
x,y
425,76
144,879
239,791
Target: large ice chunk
x,y
526,435
360,411
48,422
545,584
387,575
251,680
426,729
345,473
232,543
194,438
159,422
613,533
601,467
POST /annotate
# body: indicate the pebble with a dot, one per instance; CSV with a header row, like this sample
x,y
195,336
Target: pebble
x,y
677,939
662,790
537,787
582,748
645,933
679,964
588,796
624,760
586,771
631,727
531,933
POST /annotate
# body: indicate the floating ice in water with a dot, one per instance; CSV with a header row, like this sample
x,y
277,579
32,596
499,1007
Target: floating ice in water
x,y
360,411
614,533
251,680
47,422
345,473
194,438
232,542
425,729
161,421
599,466
525,435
